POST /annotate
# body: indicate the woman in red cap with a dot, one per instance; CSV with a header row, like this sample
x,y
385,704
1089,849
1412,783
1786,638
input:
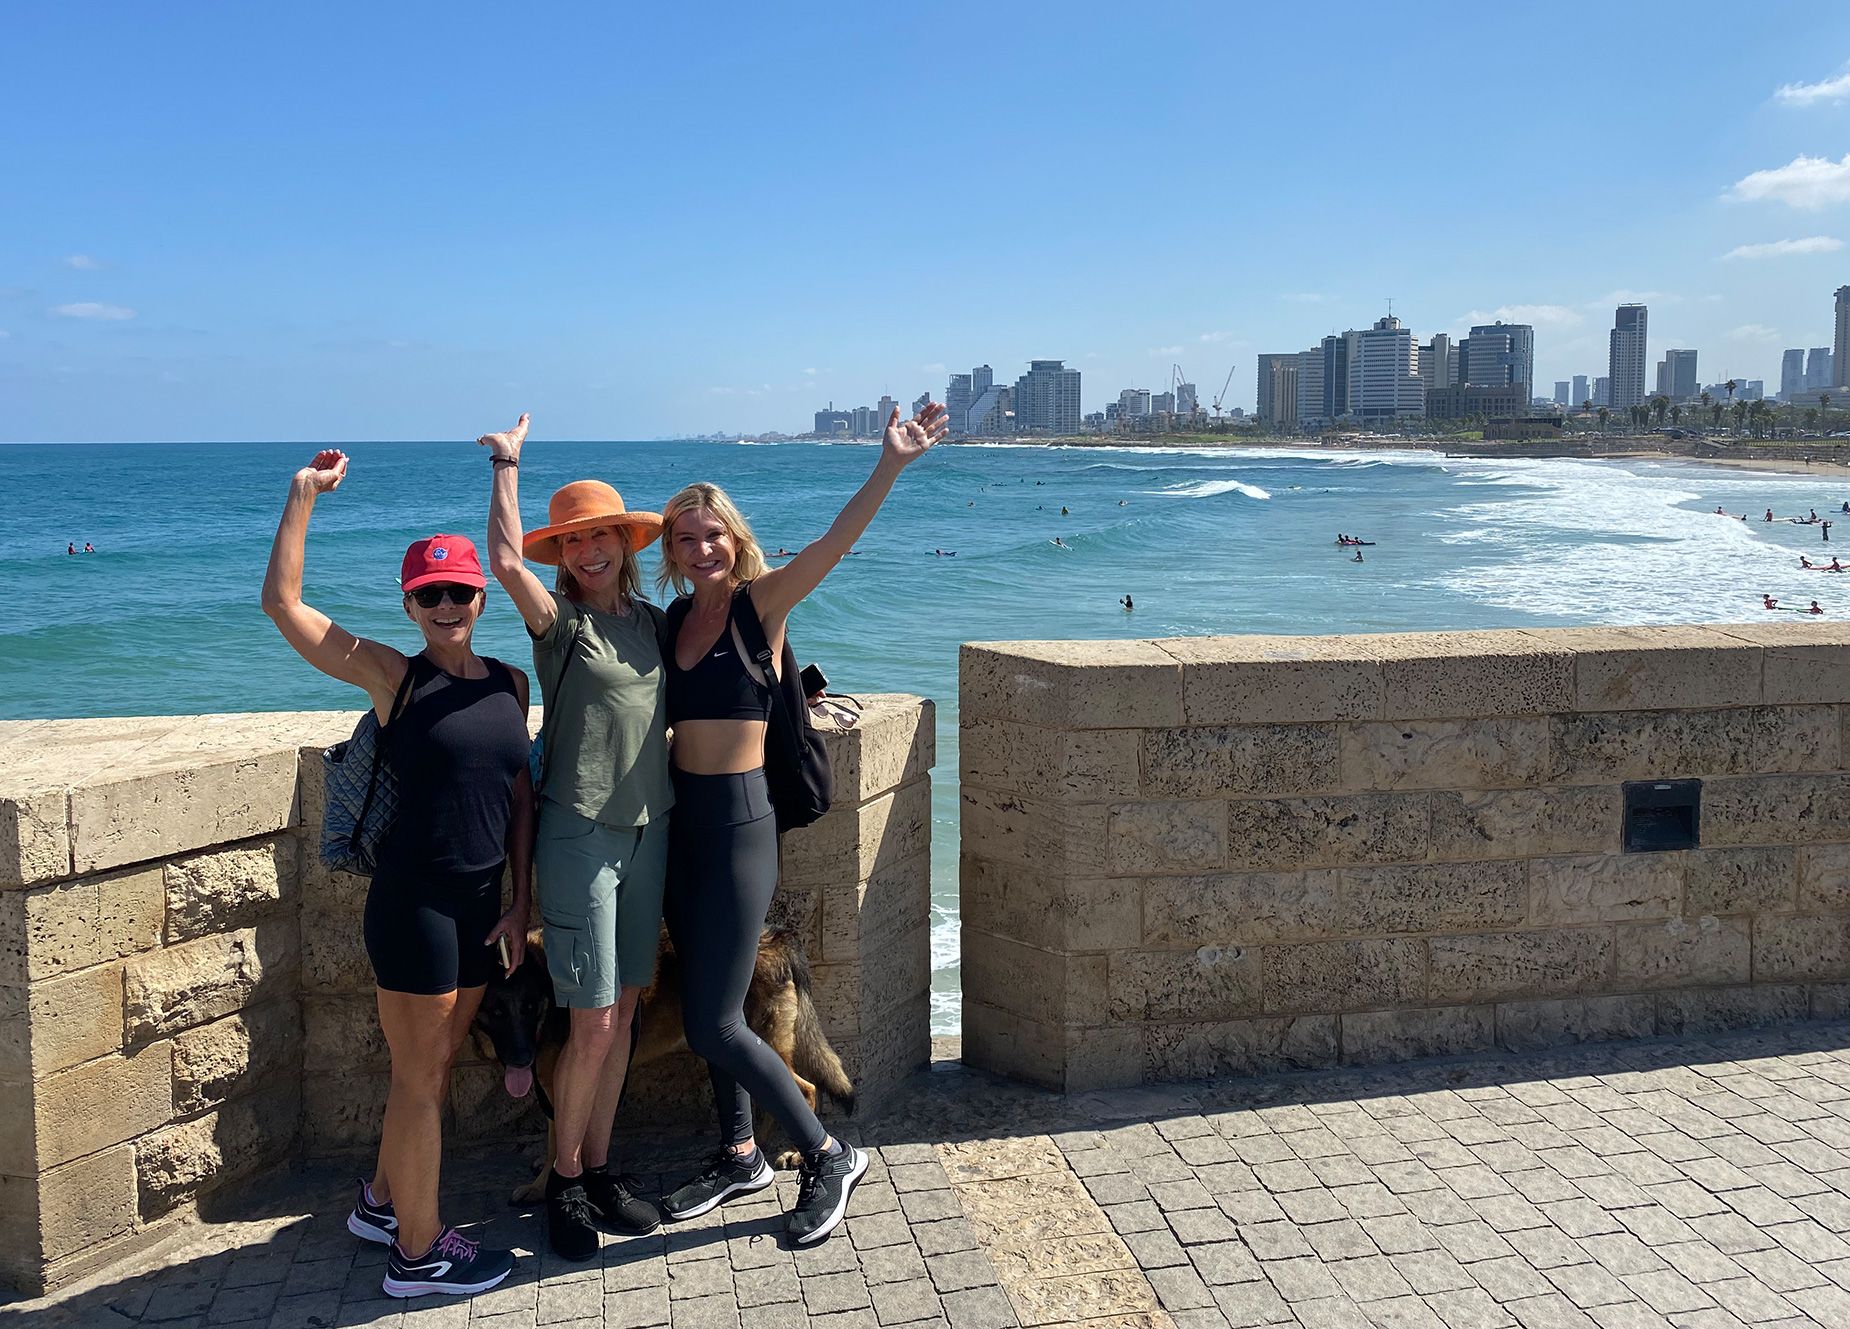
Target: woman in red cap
x,y
455,731
601,856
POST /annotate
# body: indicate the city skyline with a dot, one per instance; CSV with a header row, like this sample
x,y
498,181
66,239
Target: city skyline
x,y
227,252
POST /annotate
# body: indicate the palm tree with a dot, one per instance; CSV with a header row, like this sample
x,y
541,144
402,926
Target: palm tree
x,y
1676,415
1729,385
1824,411
1660,405
1715,413
1604,414
1739,411
1757,413
1811,419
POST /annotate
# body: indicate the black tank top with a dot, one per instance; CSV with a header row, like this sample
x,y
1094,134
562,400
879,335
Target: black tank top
x,y
718,686
456,749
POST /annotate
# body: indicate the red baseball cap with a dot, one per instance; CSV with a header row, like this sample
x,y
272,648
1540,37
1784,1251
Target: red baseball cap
x,y
441,558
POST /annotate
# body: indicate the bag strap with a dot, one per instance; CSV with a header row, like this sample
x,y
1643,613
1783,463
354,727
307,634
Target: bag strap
x,y
751,632
549,714
400,700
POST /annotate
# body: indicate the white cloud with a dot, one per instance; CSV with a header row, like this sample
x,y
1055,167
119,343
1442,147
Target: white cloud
x,y
722,392
1215,336
91,309
1804,182
1305,297
1754,332
1557,316
1811,244
810,372
1804,94
1162,352
82,262
1627,297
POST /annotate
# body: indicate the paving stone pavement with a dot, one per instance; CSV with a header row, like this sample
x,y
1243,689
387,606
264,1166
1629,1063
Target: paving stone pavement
x,y
1702,1183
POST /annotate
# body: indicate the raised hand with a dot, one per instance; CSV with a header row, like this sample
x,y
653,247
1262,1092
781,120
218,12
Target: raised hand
x,y
324,474
908,441
507,443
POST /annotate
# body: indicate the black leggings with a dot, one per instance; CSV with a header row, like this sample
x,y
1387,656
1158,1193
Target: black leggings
x,y
722,871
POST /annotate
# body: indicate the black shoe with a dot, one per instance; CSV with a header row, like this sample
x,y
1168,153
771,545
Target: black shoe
x,y
372,1222
453,1264
824,1184
728,1175
571,1223
617,1206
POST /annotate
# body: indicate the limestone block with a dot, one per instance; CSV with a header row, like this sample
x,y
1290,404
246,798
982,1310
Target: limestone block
x,y
1525,1025
894,742
1683,952
342,1110
231,1056
1432,675
852,843
890,1051
1668,744
72,1019
86,1201
173,811
1697,1010
1039,985
100,1103
191,1158
1539,962
1073,764
1214,761
1312,977
1433,897
1054,913
15,1041
173,989
35,837
1824,878
1800,662
1445,754
856,916
1283,833
1070,684
1605,888
1829,1001
1776,809
1658,668
1525,823
1054,837
334,955
1741,881
46,931
1205,984
1240,907
228,888
895,974
1069,1059
1238,1047
1165,836
1276,680
1801,946
1376,1036
340,1032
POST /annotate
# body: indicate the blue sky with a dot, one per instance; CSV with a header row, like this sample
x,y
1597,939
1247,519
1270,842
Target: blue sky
x,y
414,221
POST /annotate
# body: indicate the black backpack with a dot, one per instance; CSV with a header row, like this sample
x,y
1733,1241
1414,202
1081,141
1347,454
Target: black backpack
x,y
796,765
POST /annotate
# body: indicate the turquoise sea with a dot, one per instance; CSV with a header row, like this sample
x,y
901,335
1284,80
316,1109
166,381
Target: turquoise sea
x,y
164,618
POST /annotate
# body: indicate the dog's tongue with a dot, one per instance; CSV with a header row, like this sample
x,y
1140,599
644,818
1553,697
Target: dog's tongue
x,y
518,1080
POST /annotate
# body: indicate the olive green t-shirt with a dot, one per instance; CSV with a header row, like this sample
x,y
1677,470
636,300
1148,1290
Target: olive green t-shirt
x,y
606,717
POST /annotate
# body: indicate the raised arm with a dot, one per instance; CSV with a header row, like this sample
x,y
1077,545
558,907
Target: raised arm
x,y
317,638
780,590
505,560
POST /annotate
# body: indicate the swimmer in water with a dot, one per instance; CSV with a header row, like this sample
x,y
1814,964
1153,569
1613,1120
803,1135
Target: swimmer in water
x,y
1719,512
70,549
1126,602
1058,543
1805,562
1123,501
1815,609
1063,511
1358,556
1814,515
1769,514
1767,601
91,549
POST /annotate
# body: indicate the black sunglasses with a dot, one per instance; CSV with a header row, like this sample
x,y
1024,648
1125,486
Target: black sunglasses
x,y
429,597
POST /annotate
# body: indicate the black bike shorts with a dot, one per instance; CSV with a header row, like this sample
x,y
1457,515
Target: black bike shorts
x,y
425,931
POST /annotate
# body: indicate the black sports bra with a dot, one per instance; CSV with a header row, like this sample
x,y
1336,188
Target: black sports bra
x,y
717,687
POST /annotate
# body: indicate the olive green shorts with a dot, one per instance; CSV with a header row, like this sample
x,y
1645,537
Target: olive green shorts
x,y
600,895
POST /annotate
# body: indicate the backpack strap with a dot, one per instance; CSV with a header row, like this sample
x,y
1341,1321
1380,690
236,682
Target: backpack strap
x,y
751,632
549,714
400,700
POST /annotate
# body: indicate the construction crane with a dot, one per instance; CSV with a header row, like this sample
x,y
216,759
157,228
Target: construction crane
x,y
1222,394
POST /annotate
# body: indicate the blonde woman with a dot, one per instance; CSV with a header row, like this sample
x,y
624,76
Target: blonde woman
x,y
723,849
602,847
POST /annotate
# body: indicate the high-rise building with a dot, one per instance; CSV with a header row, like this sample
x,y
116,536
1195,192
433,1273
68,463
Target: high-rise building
x,y
1602,391
981,378
834,423
957,402
1133,403
885,410
992,415
1818,367
1186,401
1384,372
1562,389
1791,373
921,401
1753,389
1333,388
1680,381
1163,403
1313,376
1047,399
1438,362
1498,355
1263,406
1626,356
861,422
1840,349
1283,395
1582,393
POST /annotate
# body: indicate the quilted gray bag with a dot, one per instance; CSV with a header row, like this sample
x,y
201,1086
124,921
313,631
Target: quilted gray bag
x,y
362,791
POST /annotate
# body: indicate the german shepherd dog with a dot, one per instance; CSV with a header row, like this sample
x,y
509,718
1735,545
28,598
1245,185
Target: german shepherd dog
x,y
520,1026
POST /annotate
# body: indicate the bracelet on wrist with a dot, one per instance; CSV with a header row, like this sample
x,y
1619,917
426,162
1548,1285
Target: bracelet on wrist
x,y
505,461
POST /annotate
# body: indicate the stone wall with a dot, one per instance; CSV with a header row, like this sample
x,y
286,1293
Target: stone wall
x,y
185,997
1200,856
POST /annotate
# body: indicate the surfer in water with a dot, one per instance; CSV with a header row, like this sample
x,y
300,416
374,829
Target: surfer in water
x,y
1126,602
1058,543
1815,608
1769,514
1767,601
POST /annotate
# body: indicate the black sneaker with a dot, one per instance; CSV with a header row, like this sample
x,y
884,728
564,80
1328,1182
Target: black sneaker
x,y
823,1186
453,1265
617,1206
726,1176
571,1222
372,1222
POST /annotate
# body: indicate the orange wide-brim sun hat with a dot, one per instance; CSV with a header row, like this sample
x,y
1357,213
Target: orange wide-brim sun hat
x,y
584,505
